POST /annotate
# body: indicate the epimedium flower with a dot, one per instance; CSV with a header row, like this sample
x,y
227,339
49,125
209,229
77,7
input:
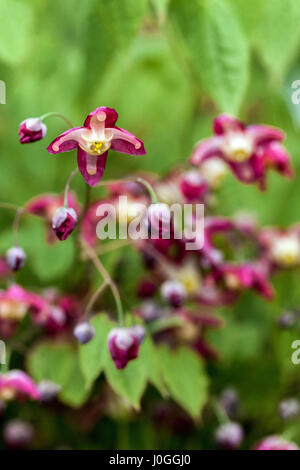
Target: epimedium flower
x,y
248,150
31,130
92,141
281,246
16,258
16,384
123,345
229,435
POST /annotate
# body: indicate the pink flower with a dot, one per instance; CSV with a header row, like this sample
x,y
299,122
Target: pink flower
x,y
249,151
193,186
275,443
32,129
64,222
93,140
281,247
123,345
15,384
246,276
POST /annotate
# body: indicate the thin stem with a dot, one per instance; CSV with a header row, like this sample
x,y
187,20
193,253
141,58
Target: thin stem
x,y
111,246
149,187
67,187
16,223
98,264
45,116
220,412
94,297
135,179
7,205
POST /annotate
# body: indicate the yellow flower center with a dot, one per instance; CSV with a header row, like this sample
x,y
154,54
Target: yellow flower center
x,y
232,281
238,147
97,147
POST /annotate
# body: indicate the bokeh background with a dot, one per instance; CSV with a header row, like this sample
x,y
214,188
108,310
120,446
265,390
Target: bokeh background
x,y
168,67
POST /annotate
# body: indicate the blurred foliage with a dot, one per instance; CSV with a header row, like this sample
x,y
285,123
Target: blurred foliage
x,y
168,67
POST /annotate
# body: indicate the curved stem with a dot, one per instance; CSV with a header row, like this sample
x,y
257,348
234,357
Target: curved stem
x,y
53,113
220,412
94,297
67,187
135,179
98,264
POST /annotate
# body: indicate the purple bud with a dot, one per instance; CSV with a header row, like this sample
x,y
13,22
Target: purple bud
x,y
32,129
48,390
64,221
229,435
158,218
173,292
193,185
139,332
287,320
123,345
149,311
18,434
84,332
16,258
229,400
289,408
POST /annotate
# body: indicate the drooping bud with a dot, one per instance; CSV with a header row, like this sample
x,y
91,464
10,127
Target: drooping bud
x,y
84,332
48,390
289,408
16,258
229,400
287,319
158,219
32,129
123,345
149,311
139,332
229,435
64,221
192,185
18,434
173,292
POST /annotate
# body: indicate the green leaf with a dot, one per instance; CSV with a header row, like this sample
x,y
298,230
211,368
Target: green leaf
x,y
50,361
277,36
130,382
149,357
15,31
59,363
94,355
185,377
217,46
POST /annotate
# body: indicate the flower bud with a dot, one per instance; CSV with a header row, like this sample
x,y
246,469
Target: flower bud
x,y
192,185
32,129
16,258
149,311
139,332
174,293
48,390
229,435
158,218
18,434
287,320
229,400
123,345
84,332
64,221
289,408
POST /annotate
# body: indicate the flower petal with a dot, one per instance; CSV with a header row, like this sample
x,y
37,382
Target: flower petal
x,y
91,166
205,149
276,156
125,142
224,123
110,117
264,134
67,141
